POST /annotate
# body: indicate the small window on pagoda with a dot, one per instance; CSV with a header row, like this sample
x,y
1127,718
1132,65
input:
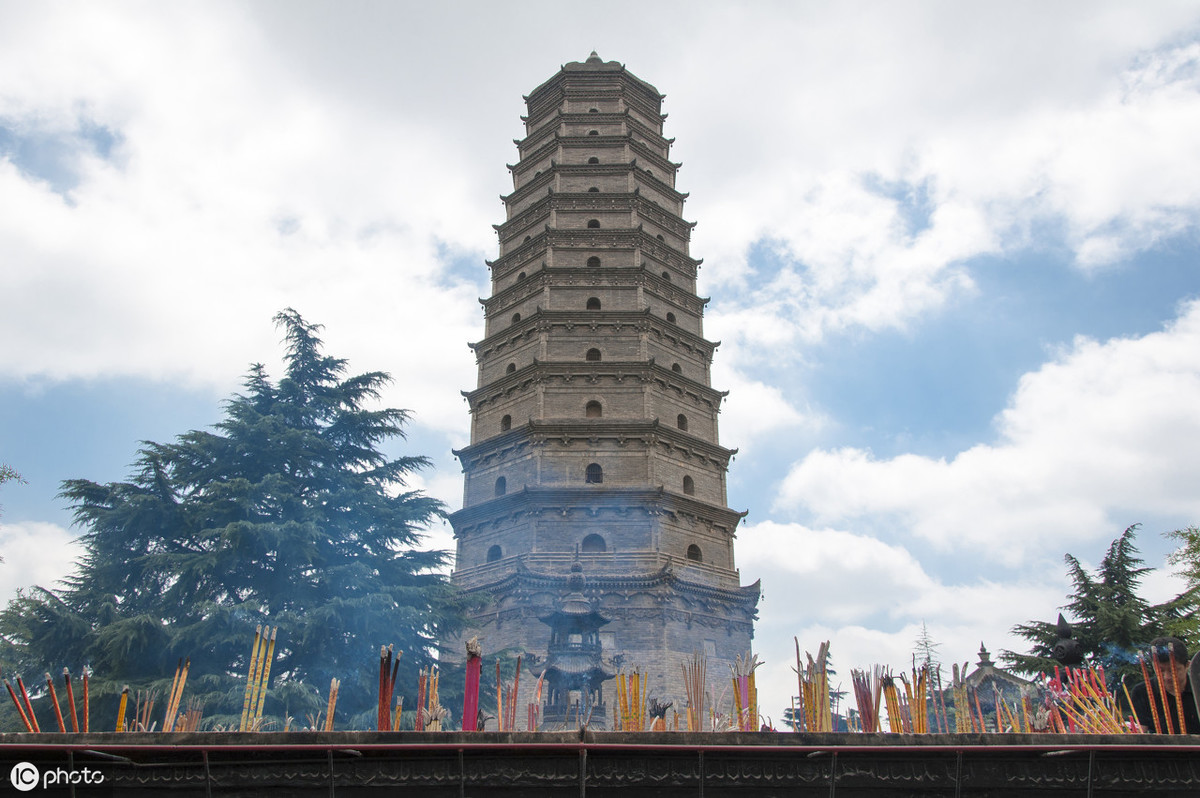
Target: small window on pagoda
x,y
681,422
594,474
516,318
593,262
671,317
675,367
593,132
526,241
694,554
660,238
593,410
593,110
592,354
593,159
506,423
593,303
501,486
511,368
593,544
494,553
521,276
666,276
594,190
593,224
689,486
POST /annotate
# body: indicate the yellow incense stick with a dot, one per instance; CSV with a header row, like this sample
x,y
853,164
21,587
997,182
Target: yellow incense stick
x,y
250,678
121,709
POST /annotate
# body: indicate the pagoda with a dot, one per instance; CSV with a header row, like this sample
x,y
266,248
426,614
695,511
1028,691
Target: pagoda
x,y
574,670
594,424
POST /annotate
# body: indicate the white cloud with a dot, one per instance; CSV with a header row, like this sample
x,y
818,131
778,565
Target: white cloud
x,y
35,553
330,161
878,169
1105,429
869,599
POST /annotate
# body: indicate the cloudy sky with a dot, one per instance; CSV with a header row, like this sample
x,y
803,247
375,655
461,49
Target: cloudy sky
x,y
952,251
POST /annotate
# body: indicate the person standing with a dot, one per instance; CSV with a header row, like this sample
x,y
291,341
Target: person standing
x,y
1175,688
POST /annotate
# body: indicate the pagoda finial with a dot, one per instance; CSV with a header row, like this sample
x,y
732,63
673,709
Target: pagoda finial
x,y
594,58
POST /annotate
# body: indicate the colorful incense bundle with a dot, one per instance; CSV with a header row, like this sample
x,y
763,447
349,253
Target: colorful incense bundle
x,y
507,692
631,703
265,678
1083,699
250,678
173,701
334,684
745,694
868,692
389,665
470,716
694,681
814,712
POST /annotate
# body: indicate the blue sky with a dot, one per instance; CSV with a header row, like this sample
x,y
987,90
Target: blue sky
x,y
951,249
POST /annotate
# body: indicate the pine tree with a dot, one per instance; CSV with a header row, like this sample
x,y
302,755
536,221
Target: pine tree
x,y
286,513
1111,621
925,652
1186,625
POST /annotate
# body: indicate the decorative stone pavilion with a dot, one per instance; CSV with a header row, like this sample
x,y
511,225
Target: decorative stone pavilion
x,y
594,426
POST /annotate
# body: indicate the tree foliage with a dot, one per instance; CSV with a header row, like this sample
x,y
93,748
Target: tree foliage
x,y
287,513
1109,619
1187,560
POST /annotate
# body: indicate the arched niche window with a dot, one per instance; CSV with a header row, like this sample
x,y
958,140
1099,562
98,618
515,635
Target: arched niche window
x,y
510,368
501,486
593,132
666,276
694,554
593,410
593,110
593,224
521,276
594,474
506,423
593,303
593,544
593,262
681,422
689,486
592,354
527,240
671,317
660,238
675,367
516,318
594,190
494,553
593,159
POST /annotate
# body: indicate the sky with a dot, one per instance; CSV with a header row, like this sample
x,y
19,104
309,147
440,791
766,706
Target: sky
x,y
952,251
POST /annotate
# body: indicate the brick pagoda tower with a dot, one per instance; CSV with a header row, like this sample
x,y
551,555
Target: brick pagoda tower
x,y
594,426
